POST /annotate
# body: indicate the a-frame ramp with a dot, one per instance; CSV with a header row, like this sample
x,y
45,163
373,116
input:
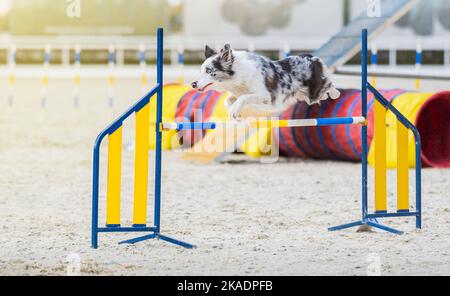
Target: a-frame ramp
x,y
347,43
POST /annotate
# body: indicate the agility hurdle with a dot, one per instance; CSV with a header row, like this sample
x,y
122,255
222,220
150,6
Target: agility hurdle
x,y
114,133
141,110
380,199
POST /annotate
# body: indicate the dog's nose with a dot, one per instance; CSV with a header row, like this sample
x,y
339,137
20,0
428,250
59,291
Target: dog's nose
x,y
194,84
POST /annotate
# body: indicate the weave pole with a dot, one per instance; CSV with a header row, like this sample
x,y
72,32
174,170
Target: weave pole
x,y
112,74
11,74
77,77
45,75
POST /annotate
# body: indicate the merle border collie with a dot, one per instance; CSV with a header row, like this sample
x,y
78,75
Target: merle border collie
x,y
257,82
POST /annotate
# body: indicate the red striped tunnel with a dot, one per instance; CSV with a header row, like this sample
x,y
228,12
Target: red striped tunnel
x,y
342,142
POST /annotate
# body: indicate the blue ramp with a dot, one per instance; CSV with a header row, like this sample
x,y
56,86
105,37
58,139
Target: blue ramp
x,y
346,44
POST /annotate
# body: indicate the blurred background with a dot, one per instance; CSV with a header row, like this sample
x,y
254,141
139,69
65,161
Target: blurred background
x,y
269,26
71,49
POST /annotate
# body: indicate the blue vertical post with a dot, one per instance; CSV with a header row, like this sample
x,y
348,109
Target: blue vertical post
x,y
159,106
181,62
364,127
418,181
95,176
180,56
374,56
418,64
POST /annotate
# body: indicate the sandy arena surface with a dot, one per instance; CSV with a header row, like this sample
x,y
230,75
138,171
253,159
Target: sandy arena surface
x,y
246,218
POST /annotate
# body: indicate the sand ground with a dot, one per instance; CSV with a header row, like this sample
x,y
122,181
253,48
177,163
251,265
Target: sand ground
x,y
246,218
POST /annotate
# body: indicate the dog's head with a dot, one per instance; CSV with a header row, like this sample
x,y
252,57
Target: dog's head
x,y
217,68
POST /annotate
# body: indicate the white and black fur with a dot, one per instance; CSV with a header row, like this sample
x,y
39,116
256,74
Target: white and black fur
x,y
257,82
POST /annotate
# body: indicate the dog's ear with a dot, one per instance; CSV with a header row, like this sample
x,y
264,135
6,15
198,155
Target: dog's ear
x,y
209,52
226,55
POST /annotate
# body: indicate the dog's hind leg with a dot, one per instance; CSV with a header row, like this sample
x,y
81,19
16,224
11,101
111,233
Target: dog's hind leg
x,y
334,93
328,91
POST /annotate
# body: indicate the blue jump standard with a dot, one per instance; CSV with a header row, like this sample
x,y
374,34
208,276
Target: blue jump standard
x,y
370,219
156,234
160,237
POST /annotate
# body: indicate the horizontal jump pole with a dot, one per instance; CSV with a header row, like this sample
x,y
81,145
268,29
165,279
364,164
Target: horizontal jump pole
x,y
264,123
188,126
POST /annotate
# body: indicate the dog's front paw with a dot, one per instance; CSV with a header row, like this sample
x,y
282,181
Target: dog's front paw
x,y
235,116
235,112
229,101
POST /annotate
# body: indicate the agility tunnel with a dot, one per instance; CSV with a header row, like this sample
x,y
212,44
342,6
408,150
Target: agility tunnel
x,y
426,110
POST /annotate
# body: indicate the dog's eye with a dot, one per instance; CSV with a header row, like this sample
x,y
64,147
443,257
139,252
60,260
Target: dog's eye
x,y
208,70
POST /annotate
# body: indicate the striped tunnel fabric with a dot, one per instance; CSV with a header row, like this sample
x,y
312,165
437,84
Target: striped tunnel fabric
x,y
341,142
195,107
